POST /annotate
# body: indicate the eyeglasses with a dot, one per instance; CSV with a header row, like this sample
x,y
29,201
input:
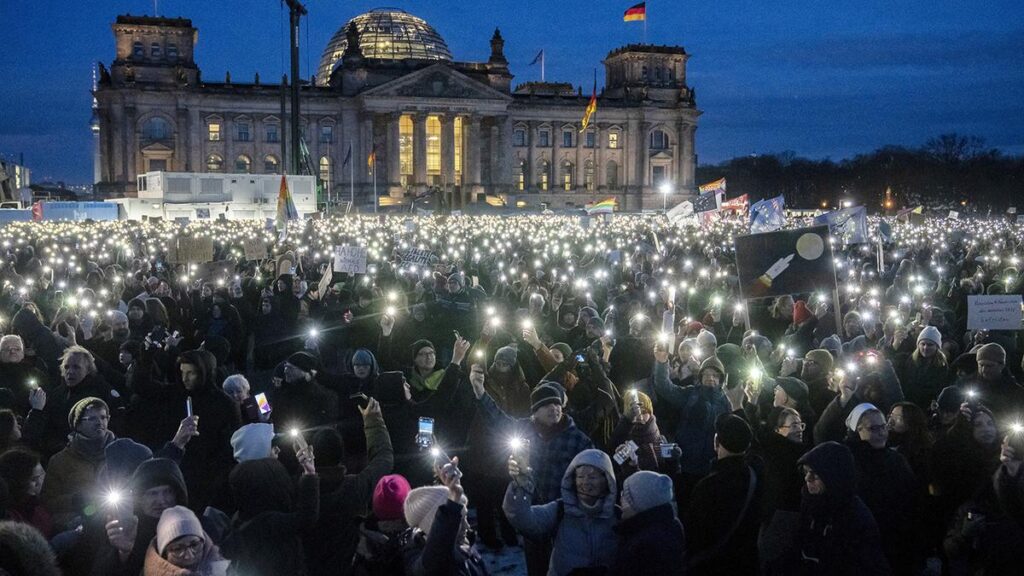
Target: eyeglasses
x,y
194,548
91,419
876,429
796,425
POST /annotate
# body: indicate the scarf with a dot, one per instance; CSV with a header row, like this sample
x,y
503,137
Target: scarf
x,y
431,382
91,449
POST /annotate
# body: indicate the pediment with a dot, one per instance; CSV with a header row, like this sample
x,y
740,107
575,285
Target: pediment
x,y
157,146
437,81
661,155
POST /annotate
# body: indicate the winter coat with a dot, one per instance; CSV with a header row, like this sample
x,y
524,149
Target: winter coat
x,y
647,438
714,506
582,537
511,395
831,425
698,407
47,430
551,451
652,542
344,498
921,379
437,553
71,473
984,539
782,477
211,565
39,338
304,403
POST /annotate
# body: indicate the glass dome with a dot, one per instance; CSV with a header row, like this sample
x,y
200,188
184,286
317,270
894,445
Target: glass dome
x,y
385,33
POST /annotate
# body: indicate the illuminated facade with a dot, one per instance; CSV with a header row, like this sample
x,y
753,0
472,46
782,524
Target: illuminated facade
x,y
387,84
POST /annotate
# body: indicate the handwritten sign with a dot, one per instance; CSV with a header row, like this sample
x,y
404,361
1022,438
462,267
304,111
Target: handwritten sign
x,y
325,281
417,256
195,250
350,259
998,312
254,248
286,263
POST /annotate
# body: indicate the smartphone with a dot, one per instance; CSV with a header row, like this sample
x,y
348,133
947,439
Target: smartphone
x,y
581,358
261,401
425,433
361,400
625,452
188,406
1016,440
667,449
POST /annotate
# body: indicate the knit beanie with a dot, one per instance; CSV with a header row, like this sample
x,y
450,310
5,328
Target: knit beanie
x,y
389,497
823,358
644,490
637,396
420,345
305,361
733,433
793,387
707,341
932,334
833,345
123,456
174,523
252,441
800,312
507,354
421,505
711,363
75,415
547,392
992,352
950,399
363,357
858,411
564,348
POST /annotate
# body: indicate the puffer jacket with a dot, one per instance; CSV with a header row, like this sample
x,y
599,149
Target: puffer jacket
x,y
698,407
582,537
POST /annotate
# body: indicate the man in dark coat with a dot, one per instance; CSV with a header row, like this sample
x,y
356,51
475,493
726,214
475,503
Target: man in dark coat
x,y
651,538
301,401
724,508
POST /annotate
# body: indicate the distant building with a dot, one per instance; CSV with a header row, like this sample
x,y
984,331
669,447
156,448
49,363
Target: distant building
x,y
387,84
14,179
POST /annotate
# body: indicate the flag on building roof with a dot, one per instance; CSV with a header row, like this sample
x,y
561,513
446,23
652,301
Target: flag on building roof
x,y
606,206
635,13
716,186
767,215
591,106
538,58
285,208
707,202
371,159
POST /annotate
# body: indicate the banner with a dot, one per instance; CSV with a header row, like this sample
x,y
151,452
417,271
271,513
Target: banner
x,y
350,259
998,312
768,215
849,225
785,262
212,271
716,186
254,248
417,256
193,250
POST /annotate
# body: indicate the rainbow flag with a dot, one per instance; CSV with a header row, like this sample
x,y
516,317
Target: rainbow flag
x,y
716,186
606,206
285,207
635,13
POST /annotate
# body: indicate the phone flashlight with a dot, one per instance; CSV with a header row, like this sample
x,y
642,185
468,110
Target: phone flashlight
x,y
516,444
188,406
114,497
313,332
390,310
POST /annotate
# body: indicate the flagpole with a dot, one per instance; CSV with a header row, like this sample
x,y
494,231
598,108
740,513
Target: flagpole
x,y
376,200
351,177
542,57
645,22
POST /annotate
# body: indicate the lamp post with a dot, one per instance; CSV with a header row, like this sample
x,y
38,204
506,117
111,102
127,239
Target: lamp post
x,y
665,189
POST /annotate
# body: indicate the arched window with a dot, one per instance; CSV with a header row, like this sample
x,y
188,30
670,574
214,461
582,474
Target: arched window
x,y
544,175
214,163
270,164
325,169
612,174
588,175
138,50
156,128
243,164
659,140
568,172
154,50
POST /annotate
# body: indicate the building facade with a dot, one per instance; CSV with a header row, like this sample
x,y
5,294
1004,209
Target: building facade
x,y
388,86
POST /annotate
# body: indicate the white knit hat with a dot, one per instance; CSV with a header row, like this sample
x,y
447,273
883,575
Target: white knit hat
x,y
644,490
857,412
174,523
252,441
421,505
707,341
930,333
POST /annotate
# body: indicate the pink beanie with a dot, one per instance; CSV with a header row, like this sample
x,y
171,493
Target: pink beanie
x,y
389,497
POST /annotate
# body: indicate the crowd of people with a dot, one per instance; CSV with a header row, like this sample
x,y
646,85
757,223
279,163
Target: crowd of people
x,y
596,394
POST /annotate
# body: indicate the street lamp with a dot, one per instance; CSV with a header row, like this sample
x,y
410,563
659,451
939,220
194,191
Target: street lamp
x,y
665,189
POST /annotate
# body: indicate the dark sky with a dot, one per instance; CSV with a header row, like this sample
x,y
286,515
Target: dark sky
x,y
823,79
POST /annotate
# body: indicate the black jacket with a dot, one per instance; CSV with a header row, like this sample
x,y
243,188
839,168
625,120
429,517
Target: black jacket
x,y
435,554
652,542
715,504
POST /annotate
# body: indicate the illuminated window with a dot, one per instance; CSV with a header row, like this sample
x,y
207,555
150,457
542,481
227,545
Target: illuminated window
x,y
433,146
458,150
613,139
659,140
521,177
325,169
270,164
214,163
544,174
612,174
588,175
213,131
405,148
567,175
243,164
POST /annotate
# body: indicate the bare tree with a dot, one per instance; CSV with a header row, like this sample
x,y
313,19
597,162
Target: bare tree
x,y
954,148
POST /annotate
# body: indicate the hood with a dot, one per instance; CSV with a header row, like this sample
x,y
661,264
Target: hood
x,y
833,463
261,486
26,324
366,357
160,472
206,362
599,460
219,347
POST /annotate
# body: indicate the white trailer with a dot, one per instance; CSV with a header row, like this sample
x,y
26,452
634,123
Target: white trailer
x,y
201,196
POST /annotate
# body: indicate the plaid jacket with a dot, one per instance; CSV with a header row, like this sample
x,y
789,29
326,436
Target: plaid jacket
x,y
548,458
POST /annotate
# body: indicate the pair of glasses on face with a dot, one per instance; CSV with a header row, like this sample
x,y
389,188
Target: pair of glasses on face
x,y
795,426
193,548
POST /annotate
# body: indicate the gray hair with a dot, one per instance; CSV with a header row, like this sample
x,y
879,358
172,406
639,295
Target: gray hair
x,y
235,382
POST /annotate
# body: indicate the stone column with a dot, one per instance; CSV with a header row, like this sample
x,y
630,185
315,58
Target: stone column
x,y
689,158
394,156
131,147
531,178
471,156
644,147
419,152
448,159
366,145
599,171
504,154
227,134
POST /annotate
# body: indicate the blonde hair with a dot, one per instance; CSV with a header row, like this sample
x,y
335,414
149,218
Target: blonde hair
x,y
76,350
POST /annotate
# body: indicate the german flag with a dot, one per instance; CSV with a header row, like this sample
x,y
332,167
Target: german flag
x,y
591,108
636,13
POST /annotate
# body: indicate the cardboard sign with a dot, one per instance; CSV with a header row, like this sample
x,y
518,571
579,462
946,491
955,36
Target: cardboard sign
x,y
203,213
286,263
417,256
254,248
193,250
954,215
213,271
785,262
350,259
325,281
998,312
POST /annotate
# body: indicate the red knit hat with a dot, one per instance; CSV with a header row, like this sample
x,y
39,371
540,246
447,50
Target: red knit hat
x,y
389,497
800,312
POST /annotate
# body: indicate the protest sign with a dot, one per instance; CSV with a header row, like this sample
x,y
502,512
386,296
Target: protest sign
x,y
286,263
785,262
997,312
194,250
254,248
954,215
417,256
325,281
350,259
212,271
